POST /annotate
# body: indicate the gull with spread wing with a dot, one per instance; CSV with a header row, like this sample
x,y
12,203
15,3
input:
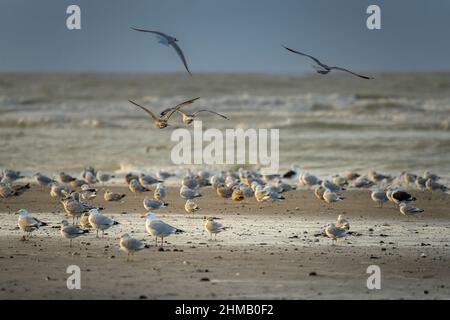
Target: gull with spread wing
x,y
322,68
189,118
168,41
162,121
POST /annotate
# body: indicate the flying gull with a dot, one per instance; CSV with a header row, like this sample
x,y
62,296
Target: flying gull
x,y
189,118
161,122
168,41
322,68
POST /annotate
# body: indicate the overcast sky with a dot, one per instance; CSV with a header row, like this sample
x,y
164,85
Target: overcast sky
x,y
224,35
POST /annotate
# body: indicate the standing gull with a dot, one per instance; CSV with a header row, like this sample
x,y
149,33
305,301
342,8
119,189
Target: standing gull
x,y
84,221
331,197
11,175
42,180
187,193
58,191
28,224
77,183
113,196
273,192
130,245
135,187
307,179
342,222
409,210
5,190
190,182
158,228
168,41
223,191
160,192
213,227
379,196
100,222
322,68
334,233
432,185
190,206
153,204
163,175
146,179
70,232
261,194
237,194
74,208
103,177
64,178
332,186
401,196
319,191
88,193
421,183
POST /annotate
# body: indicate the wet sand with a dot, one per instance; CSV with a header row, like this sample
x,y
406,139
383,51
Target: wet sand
x,y
273,250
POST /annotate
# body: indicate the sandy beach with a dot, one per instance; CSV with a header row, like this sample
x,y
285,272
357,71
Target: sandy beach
x,y
273,250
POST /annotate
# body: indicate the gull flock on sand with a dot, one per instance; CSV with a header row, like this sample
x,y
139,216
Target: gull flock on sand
x,y
232,185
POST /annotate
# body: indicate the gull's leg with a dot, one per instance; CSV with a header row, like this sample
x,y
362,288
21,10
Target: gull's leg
x,y
128,256
162,242
103,233
156,241
71,243
97,233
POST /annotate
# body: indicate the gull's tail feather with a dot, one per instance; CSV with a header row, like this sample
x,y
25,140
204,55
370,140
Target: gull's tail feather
x,y
178,231
42,224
